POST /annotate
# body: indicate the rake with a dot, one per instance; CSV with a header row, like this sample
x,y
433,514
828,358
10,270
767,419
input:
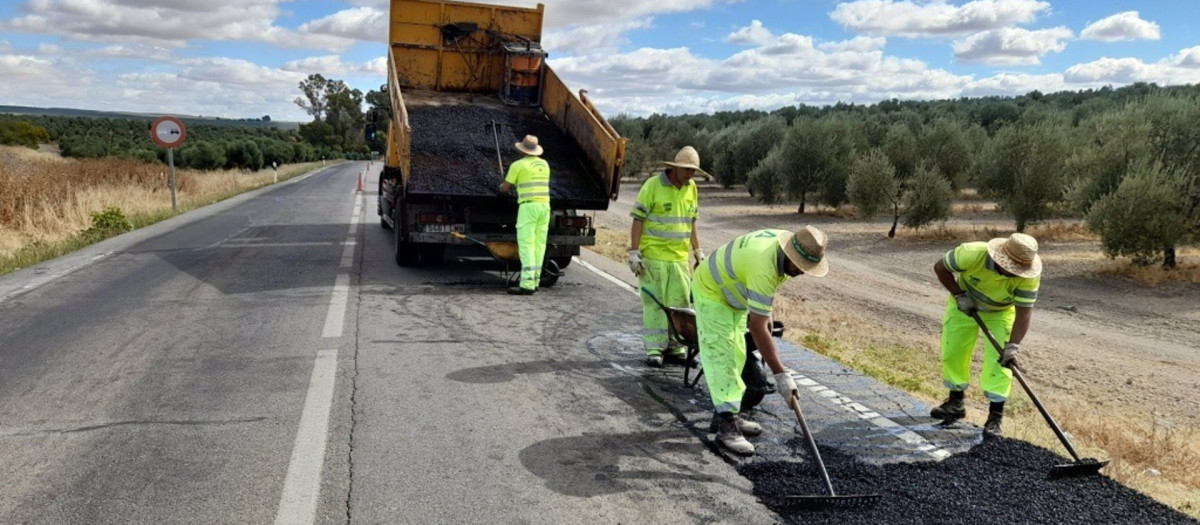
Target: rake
x,y
819,501
1081,466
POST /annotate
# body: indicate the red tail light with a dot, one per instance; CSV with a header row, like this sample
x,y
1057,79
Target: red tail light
x,y
574,221
432,218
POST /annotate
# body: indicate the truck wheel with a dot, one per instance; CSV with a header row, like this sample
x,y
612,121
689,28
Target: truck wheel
x,y
562,262
550,274
405,253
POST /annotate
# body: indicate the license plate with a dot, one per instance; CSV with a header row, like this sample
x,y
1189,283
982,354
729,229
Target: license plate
x,y
445,228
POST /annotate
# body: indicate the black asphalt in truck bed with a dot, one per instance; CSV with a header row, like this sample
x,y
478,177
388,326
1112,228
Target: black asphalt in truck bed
x,y
998,481
454,153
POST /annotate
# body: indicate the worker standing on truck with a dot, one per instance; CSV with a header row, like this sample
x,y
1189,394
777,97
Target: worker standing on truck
x,y
735,287
661,237
999,280
531,177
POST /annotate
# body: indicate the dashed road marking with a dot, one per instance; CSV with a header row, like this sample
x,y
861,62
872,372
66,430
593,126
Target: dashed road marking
x,y
336,316
302,485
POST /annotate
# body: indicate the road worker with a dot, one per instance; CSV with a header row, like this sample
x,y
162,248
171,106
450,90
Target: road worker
x,y
531,176
661,237
999,281
734,287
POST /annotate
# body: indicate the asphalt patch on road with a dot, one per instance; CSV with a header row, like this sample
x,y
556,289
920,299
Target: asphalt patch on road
x,y
998,481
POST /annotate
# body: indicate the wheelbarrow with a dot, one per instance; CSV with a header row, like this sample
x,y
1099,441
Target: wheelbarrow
x,y
507,253
681,328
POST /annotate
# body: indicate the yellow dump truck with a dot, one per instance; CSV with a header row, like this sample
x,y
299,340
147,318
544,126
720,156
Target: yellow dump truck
x,y
466,82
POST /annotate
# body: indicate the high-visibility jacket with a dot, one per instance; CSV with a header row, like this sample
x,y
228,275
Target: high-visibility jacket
x,y
531,176
745,272
991,291
667,214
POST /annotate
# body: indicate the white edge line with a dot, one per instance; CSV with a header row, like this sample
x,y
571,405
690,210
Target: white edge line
x,y
895,429
302,485
338,300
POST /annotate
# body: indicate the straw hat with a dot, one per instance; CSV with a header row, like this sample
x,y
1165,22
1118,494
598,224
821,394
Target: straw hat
x,y
806,249
1017,254
529,146
686,158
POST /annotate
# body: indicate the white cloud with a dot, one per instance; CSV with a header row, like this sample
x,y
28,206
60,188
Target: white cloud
x,y
593,38
169,23
1189,58
46,48
1117,71
858,43
1014,84
5,46
935,18
1011,46
132,52
1122,26
753,34
360,23
333,66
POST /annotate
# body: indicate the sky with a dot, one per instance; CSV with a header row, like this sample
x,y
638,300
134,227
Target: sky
x,y
245,58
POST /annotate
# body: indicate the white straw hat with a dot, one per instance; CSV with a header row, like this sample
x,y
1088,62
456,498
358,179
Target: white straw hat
x,y
1017,254
686,158
806,249
529,146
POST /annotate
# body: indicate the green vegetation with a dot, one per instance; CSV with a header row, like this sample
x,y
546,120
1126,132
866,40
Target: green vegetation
x,y
1041,156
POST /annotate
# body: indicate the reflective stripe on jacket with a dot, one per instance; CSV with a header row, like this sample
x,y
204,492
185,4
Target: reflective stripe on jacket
x,y
531,176
744,273
977,276
667,214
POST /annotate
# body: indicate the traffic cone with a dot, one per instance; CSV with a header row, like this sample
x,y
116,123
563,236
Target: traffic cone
x,y
360,181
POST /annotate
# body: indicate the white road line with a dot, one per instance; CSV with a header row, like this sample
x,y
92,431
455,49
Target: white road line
x,y
606,275
348,253
336,317
302,486
895,429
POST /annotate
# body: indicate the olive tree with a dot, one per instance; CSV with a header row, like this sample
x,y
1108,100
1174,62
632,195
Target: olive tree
x,y
927,200
872,184
1147,215
1023,166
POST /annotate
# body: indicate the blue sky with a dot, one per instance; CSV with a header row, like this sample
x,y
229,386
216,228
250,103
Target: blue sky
x,y
245,58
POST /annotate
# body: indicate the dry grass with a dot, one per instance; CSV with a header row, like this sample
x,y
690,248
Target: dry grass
x,y
1059,231
611,243
1154,275
46,200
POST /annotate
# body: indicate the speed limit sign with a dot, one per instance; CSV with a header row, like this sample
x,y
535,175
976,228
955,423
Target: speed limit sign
x,y
168,132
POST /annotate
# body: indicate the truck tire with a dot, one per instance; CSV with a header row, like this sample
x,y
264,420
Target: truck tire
x,y
550,274
562,262
404,251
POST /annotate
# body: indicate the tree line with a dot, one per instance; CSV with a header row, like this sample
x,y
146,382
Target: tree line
x,y
335,132
1126,160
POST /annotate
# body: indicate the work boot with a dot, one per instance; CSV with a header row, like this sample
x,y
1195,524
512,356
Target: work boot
x,y
950,410
678,359
748,428
991,428
654,360
730,436
517,290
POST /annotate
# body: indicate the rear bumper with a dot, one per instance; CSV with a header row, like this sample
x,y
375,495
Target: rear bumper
x,y
553,240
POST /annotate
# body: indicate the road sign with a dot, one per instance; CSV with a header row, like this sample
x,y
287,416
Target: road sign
x,y
168,132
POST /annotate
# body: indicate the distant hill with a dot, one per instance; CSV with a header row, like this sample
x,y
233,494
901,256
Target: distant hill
x,y
189,119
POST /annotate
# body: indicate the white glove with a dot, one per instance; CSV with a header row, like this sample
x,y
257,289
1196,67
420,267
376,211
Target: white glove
x,y
786,386
699,255
635,263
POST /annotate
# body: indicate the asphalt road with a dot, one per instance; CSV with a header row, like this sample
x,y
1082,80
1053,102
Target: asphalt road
x,y
264,360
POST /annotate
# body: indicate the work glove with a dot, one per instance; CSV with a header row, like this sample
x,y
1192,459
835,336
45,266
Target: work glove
x,y
786,386
699,255
1008,358
966,305
635,263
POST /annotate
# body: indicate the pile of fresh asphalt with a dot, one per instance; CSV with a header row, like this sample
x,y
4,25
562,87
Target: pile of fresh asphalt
x,y
998,481
454,152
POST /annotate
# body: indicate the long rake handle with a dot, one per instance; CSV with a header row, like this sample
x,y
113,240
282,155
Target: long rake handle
x,y
812,444
1021,379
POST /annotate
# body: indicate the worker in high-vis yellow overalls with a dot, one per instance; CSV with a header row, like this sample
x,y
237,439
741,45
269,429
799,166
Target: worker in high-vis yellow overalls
x,y
734,287
531,177
661,237
999,280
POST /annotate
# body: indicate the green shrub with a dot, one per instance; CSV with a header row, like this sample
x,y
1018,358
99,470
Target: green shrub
x,y
928,198
872,185
107,223
1144,216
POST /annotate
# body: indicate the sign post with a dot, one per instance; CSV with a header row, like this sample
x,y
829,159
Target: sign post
x,y
169,133
275,166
